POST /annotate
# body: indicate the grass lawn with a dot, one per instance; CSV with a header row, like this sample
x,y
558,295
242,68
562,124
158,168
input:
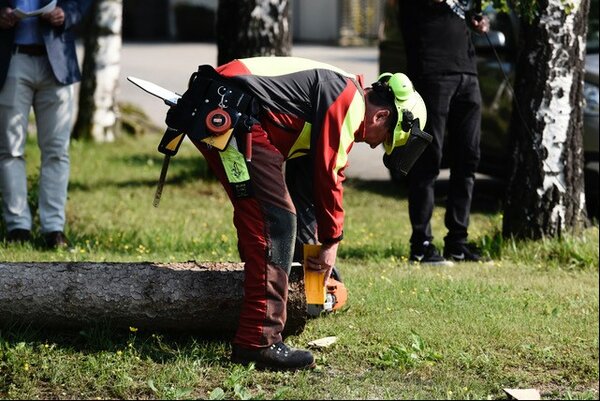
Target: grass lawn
x,y
528,319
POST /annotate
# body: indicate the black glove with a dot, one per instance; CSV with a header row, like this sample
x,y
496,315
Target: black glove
x,y
181,116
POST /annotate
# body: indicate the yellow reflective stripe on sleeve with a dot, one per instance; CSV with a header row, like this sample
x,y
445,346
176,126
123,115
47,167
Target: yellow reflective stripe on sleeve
x,y
302,145
235,165
352,121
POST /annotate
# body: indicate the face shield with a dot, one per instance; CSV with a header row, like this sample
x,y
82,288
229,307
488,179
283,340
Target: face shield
x,y
407,140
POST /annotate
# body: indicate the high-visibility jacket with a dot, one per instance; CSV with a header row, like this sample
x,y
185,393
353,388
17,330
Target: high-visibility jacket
x,y
310,109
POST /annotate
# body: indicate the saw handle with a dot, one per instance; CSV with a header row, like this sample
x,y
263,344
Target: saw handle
x,y
170,142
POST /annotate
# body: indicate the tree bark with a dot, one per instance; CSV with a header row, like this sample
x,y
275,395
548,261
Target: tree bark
x,y
252,28
545,196
188,297
97,117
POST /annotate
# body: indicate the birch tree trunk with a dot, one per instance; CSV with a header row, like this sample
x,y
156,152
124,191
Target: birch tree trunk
x,y
252,28
545,196
97,118
200,298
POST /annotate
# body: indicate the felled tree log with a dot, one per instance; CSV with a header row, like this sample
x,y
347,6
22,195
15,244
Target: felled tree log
x,y
196,298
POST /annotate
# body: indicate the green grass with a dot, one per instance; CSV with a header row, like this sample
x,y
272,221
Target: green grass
x,y
528,319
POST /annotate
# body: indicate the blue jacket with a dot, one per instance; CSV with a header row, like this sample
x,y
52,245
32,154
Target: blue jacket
x,y
60,42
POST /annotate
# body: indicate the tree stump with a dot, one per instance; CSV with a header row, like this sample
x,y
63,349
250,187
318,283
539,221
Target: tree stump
x,y
197,298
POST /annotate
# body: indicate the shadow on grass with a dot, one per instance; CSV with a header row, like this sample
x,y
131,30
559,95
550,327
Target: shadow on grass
x,y
160,347
487,197
182,170
488,193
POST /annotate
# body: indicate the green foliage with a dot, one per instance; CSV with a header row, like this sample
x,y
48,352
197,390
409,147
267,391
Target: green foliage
x,y
528,10
566,253
403,357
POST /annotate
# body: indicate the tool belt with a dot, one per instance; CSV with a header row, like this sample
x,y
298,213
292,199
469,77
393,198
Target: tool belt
x,y
212,110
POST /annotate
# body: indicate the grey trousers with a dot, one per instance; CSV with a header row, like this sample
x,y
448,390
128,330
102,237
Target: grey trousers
x,y
31,83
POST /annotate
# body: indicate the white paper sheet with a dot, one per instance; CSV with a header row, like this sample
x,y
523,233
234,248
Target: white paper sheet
x,y
25,14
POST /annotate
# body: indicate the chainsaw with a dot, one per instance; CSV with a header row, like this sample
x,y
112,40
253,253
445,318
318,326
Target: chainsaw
x,y
225,110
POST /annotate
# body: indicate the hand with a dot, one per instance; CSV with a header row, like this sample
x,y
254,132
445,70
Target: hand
x,y
7,18
480,24
325,261
55,17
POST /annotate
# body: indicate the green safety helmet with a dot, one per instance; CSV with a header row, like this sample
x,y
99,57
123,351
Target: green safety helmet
x,y
406,99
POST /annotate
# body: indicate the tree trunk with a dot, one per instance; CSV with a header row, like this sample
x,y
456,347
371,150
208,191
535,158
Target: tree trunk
x,y
97,118
252,28
545,196
189,297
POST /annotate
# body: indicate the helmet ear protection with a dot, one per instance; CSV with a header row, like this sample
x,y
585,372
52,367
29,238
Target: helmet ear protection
x,y
409,104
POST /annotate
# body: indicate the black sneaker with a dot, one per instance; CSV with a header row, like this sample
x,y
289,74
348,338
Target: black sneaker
x,y
18,235
428,254
463,253
276,357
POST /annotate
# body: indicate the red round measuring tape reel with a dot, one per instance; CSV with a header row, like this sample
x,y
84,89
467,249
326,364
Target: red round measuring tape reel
x,y
218,121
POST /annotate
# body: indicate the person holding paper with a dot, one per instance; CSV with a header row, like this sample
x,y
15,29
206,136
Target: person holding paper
x,y
38,65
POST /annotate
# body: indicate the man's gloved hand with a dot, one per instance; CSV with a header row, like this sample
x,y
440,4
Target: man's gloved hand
x,y
180,117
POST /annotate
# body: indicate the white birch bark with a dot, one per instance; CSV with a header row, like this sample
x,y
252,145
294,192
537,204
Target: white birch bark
x,y
108,58
98,115
556,108
545,196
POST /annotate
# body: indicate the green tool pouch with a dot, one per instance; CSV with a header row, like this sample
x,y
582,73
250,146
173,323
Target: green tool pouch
x,y
237,172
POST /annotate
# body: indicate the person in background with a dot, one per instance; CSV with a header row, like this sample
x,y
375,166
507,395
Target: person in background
x,y
38,66
306,116
441,63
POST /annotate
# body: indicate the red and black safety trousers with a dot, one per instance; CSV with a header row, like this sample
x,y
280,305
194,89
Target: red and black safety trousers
x,y
266,224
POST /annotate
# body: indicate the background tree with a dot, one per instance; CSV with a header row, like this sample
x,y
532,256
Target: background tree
x,y
97,117
545,195
247,28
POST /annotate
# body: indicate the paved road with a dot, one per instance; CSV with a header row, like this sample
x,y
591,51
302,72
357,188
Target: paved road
x,y
170,65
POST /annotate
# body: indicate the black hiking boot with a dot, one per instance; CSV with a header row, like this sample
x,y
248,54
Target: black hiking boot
x,y
276,357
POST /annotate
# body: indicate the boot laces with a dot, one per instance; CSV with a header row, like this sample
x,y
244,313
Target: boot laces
x,y
279,347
